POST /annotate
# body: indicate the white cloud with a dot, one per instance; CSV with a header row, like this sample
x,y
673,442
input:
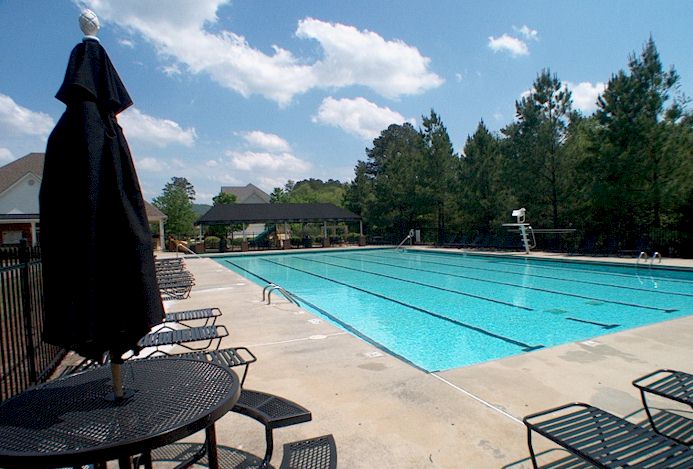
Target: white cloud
x,y
18,120
6,156
150,164
126,42
212,163
509,44
350,56
357,116
585,95
280,162
155,131
354,57
527,32
265,141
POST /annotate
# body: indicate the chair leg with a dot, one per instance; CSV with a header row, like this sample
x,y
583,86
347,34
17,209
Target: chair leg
x,y
531,449
269,438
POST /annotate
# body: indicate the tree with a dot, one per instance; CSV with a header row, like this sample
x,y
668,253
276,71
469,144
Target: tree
x,y
184,184
281,195
537,139
439,169
222,198
312,190
632,162
176,204
395,165
486,201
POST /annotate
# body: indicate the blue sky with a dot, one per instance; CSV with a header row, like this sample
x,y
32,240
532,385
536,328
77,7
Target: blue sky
x,y
232,92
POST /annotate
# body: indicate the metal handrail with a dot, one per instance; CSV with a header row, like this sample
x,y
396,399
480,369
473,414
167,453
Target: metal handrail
x,y
656,255
640,256
270,287
408,237
181,245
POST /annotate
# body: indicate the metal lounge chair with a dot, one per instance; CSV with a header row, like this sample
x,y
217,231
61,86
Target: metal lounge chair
x,y
605,440
210,316
231,357
183,337
674,385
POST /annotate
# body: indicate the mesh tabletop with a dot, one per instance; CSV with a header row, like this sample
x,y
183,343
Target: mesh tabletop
x,y
71,421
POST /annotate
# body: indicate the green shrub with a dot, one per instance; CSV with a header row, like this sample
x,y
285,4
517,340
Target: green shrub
x,y
212,242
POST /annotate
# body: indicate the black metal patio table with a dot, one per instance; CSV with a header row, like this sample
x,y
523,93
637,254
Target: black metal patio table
x,y
72,421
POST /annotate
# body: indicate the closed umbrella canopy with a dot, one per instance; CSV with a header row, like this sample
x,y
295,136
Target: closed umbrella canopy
x,y
100,286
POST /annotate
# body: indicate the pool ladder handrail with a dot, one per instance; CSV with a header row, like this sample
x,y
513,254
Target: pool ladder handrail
x,y
642,255
270,287
408,237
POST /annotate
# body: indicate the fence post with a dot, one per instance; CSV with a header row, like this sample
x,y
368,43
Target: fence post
x,y
24,260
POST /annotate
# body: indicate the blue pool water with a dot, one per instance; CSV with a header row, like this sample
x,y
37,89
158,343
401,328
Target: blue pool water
x,y
439,311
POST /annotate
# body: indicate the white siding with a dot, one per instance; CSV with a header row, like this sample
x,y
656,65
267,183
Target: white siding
x,y
22,197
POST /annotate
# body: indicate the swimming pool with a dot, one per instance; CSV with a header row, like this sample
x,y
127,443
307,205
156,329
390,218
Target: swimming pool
x,y
444,310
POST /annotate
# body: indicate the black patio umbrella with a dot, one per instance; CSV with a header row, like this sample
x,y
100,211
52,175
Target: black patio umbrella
x,y
100,288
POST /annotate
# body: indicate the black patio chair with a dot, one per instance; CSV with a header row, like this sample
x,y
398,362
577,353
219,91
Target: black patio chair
x,y
674,385
605,440
272,412
315,453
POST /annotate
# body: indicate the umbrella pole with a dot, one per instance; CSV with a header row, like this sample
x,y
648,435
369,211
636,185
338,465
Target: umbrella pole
x,y
117,377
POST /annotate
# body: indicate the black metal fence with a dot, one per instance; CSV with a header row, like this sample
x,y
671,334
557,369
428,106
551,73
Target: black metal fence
x,y
24,358
669,243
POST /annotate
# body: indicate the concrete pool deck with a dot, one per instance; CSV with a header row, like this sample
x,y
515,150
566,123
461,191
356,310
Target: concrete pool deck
x,y
384,413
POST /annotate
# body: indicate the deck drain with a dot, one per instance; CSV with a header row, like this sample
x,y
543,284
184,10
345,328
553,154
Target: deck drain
x,y
318,337
591,343
373,354
239,284
314,321
299,312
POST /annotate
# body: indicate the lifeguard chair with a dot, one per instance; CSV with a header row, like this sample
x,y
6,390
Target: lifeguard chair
x,y
524,228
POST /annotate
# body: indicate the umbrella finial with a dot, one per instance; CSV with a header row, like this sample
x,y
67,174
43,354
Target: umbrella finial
x,y
89,24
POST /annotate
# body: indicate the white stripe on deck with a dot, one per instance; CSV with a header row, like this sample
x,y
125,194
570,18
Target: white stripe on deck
x,y
478,399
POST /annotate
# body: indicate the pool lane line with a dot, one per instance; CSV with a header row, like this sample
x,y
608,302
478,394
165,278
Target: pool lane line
x,y
457,292
584,321
344,325
247,271
525,347
544,290
590,271
587,282
602,325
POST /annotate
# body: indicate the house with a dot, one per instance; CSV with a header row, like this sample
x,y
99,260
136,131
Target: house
x,y
20,182
248,194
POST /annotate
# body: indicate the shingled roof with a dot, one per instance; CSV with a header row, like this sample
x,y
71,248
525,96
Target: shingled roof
x,y
226,214
244,193
17,169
